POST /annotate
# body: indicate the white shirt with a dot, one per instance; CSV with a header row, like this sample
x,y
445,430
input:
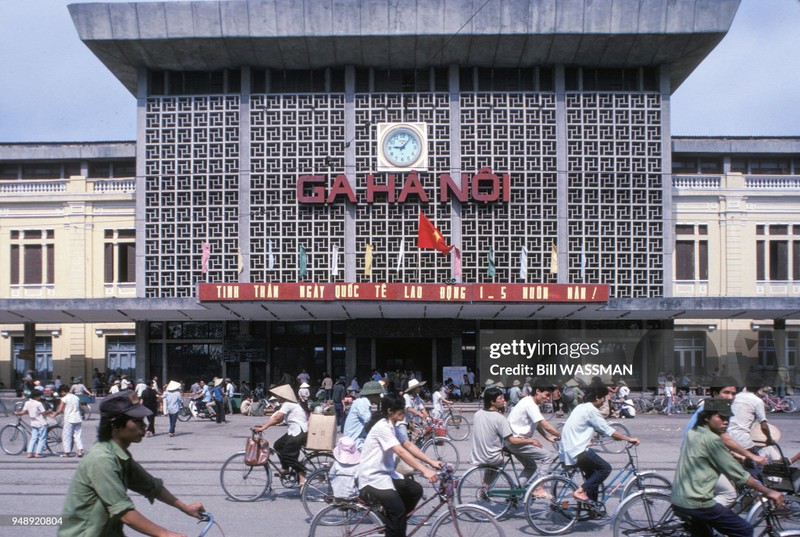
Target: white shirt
x,y
579,430
377,458
438,408
295,417
748,409
72,408
35,411
524,417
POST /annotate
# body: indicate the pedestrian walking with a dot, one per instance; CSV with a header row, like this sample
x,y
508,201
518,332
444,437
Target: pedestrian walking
x,y
36,412
174,400
70,407
150,401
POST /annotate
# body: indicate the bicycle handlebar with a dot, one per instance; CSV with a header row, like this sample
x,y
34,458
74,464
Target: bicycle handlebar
x,y
209,519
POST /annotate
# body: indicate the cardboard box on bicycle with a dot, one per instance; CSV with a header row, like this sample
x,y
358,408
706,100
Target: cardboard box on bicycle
x,y
321,432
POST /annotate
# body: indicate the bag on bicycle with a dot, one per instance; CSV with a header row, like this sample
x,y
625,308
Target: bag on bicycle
x,y
256,451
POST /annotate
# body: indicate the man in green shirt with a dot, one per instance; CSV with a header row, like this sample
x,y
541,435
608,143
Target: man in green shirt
x,y
702,459
97,503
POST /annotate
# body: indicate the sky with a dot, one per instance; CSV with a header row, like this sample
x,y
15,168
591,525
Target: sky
x,y
54,89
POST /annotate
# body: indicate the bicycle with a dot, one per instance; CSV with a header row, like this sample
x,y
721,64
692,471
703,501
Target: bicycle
x,y
557,510
491,487
776,403
360,519
649,513
14,437
456,425
431,440
248,483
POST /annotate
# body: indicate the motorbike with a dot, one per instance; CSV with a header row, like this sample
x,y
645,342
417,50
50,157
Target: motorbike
x,y
190,411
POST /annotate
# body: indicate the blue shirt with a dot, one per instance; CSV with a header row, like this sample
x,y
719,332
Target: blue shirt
x,y
358,416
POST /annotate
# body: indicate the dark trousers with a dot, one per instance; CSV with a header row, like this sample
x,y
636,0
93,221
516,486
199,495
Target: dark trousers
x,y
219,407
397,503
288,448
173,419
722,519
338,408
594,469
151,423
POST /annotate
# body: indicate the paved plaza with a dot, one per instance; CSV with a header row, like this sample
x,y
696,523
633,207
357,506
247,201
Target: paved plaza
x,y
189,464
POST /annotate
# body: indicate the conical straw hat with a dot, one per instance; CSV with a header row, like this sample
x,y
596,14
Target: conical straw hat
x,y
284,391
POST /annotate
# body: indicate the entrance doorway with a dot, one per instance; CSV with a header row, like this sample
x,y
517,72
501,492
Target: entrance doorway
x,y
404,354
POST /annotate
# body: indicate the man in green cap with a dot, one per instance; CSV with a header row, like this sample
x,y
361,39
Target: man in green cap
x,y
361,412
97,501
702,459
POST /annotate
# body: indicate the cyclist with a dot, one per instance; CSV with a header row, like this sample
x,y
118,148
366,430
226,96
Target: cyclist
x,y
361,412
702,459
748,409
439,400
492,432
525,419
377,477
97,501
579,429
288,446
724,489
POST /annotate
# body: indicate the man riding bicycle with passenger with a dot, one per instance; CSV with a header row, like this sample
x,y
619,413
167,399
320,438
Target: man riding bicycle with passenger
x,y
702,459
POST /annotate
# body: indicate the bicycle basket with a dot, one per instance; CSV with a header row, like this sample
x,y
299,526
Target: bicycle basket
x,y
438,428
780,476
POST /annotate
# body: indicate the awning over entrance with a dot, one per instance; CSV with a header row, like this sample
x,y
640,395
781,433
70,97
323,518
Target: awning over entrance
x,y
189,309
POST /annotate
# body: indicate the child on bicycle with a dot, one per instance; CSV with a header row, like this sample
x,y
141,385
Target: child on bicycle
x,y
702,459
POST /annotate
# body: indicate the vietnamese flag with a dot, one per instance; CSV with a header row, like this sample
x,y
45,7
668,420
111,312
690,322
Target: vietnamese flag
x,y
429,237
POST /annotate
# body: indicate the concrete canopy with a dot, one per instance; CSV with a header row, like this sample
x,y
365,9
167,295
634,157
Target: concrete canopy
x,y
112,310
313,34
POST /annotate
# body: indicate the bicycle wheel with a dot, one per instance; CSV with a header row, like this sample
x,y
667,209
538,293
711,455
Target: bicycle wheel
x,y
244,483
53,442
791,406
86,411
466,521
610,445
13,439
184,414
457,426
785,519
317,492
647,513
345,521
317,460
548,410
442,449
554,510
647,480
488,487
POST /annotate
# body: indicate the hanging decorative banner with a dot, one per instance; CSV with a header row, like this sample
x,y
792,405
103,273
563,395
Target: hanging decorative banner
x,y
411,292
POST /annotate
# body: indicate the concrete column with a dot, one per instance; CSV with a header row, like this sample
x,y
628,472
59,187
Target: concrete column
x,y
668,212
455,158
561,166
350,164
245,211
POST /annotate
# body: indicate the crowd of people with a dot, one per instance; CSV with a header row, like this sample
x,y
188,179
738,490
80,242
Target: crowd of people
x,y
376,455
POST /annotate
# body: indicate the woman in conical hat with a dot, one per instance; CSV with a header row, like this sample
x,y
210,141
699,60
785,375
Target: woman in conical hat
x,y
288,446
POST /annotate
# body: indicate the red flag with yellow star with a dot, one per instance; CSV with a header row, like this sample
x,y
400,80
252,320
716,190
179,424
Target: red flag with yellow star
x,y
429,237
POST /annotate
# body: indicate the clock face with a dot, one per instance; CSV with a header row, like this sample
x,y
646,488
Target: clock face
x,y
402,147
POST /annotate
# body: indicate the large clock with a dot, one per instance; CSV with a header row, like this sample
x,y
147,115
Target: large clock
x,y
402,146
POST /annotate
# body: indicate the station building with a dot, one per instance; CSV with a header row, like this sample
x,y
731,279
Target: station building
x,y
267,217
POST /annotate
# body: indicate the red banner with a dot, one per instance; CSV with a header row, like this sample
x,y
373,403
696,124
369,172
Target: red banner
x,y
410,292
